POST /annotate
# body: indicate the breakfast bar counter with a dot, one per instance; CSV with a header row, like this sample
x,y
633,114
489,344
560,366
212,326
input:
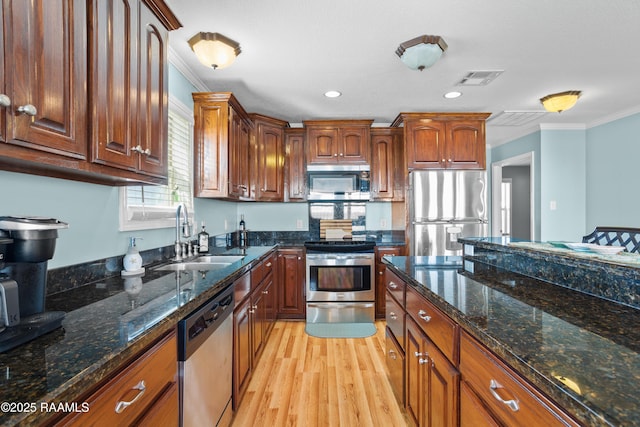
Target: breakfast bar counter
x,y
580,348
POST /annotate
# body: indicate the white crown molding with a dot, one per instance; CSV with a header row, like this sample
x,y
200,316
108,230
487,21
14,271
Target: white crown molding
x,y
563,126
616,116
185,70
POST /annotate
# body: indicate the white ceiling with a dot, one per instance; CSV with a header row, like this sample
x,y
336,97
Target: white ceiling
x,y
295,50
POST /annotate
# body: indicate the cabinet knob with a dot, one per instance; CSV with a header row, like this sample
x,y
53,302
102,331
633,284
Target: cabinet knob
x,y
423,361
5,101
121,405
137,149
393,355
381,273
392,285
423,315
28,109
341,155
392,315
299,258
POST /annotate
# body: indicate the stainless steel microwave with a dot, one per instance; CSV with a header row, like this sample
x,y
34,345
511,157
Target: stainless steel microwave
x,y
338,182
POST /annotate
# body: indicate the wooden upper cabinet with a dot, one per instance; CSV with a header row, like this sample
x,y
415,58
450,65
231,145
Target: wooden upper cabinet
x,y
387,164
444,140
338,141
129,87
269,158
153,87
44,75
113,85
221,146
295,187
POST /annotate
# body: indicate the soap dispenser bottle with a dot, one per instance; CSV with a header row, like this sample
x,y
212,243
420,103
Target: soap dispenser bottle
x,y
132,261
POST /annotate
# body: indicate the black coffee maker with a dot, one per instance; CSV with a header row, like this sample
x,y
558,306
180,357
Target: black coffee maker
x,y
26,245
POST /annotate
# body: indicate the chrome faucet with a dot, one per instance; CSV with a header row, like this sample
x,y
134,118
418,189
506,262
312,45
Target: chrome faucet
x,y
186,230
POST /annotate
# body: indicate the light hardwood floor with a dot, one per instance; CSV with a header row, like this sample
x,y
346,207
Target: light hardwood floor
x,y
307,381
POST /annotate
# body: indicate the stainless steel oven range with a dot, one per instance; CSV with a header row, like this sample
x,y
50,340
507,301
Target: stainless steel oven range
x,y
340,284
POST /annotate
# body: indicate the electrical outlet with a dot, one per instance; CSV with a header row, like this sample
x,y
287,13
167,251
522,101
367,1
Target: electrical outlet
x,y
226,225
383,223
299,224
553,205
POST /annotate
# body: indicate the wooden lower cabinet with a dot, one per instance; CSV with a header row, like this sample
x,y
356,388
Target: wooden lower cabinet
x,y
494,394
395,359
253,318
291,283
148,383
381,280
432,382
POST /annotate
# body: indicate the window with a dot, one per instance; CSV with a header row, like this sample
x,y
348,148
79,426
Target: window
x,y
153,206
505,206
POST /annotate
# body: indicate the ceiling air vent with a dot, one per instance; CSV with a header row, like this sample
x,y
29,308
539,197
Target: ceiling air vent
x,y
479,78
515,118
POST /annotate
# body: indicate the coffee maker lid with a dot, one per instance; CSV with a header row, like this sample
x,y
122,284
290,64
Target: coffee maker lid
x,y
30,223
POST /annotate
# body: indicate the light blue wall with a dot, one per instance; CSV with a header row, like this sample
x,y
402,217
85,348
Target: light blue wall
x,y
273,216
563,181
591,174
613,161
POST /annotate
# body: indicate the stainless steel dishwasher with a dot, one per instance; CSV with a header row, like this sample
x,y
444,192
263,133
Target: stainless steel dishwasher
x,y
205,356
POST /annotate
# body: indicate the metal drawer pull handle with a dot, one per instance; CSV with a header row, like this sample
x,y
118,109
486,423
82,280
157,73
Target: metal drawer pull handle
x,y
121,406
512,404
393,285
28,109
268,264
392,315
392,355
423,315
423,361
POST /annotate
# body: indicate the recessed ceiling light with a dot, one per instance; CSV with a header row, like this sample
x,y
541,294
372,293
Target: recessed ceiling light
x,y
332,94
452,95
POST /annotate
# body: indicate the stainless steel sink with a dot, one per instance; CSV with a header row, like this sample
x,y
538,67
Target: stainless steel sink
x,y
193,265
219,258
203,263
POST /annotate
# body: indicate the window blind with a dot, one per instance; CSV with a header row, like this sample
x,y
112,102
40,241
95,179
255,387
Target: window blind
x,y
153,206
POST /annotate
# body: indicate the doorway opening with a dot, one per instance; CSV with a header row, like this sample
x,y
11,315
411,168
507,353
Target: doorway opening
x,y
513,197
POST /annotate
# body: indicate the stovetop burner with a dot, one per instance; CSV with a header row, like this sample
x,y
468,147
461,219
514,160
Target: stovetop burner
x,y
340,245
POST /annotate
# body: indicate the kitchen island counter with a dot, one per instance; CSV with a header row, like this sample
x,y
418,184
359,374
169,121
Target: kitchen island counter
x,y
582,351
106,324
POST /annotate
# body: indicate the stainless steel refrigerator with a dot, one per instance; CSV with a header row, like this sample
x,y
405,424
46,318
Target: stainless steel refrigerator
x,y
444,205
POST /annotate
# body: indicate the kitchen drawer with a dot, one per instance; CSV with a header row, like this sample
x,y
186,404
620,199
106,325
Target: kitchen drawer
x,y
395,319
510,398
157,368
395,365
440,329
395,286
262,270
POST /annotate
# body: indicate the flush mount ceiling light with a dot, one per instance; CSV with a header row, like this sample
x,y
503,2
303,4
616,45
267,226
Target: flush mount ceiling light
x,y
214,50
332,94
559,102
421,52
452,95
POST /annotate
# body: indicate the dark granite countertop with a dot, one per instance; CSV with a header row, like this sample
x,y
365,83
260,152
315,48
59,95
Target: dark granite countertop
x,y
106,324
554,336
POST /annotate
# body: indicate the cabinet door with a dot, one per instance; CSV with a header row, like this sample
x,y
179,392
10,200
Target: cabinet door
x,y
291,282
424,144
382,167
241,350
114,67
466,148
258,322
354,145
239,145
270,304
270,163
322,145
444,381
295,167
415,375
46,69
152,119
211,149
472,410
